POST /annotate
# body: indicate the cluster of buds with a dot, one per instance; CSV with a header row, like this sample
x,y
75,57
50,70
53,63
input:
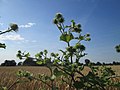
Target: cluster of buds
x,y
58,19
75,27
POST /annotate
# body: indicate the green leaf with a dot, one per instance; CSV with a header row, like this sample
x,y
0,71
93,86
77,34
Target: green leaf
x,y
56,61
54,88
27,55
72,20
116,84
73,23
66,37
81,37
39,62
57,72
46,78
78,85
88,39
67,26
81,67
3,88
38,56
64,52
19,56
53,77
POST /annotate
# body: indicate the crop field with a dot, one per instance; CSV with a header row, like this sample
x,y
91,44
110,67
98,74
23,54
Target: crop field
x,y
8,77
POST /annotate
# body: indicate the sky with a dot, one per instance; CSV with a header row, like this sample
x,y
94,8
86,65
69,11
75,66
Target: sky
x,y
100,18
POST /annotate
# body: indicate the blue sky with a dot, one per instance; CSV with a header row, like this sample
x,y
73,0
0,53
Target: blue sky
x,y
100,18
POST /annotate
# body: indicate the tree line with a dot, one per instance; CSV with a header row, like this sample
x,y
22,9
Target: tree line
x,y
31,62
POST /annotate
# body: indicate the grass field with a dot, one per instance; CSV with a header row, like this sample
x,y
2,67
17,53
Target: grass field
x,y
8,76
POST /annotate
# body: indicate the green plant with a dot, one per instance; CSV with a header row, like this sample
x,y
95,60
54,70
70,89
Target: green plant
x,y
66,67
13,27
117,47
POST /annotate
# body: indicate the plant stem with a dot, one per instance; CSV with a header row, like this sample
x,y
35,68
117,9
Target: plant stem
x,y
13,84
63,70
59,29
43,82
5,31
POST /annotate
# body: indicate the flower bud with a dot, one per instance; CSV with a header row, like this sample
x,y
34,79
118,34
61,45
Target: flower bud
x,y
61,20
79,25
88,39
55,21
14,27
77,46
58,15
82,47
88,35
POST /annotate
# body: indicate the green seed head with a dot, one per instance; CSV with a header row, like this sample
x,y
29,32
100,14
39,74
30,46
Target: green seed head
x,y
88,35
82,47
79,25
77,46
55,21
14,27
61,20
58,15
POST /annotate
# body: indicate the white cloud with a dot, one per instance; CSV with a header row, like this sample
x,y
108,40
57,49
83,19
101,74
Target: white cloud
x,y
28,25
34,41
1,23
29,41
13,37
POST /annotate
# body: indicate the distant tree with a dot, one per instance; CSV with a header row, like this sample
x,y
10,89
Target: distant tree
x,y
87,61
29,62
104,63
116,63
93,63
9,63
13,63
2,64
98,63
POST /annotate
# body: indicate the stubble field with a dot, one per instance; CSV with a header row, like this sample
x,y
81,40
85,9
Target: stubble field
x,y
8,77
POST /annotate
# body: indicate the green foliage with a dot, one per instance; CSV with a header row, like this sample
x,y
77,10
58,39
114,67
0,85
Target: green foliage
x,y
117,48
66,67
66,37
13,27
3,88
26,74
20,55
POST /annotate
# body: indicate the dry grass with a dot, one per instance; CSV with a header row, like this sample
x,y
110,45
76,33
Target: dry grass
x,y
8,76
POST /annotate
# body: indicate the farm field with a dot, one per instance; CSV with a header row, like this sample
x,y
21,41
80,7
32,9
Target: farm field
x,y
8,77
